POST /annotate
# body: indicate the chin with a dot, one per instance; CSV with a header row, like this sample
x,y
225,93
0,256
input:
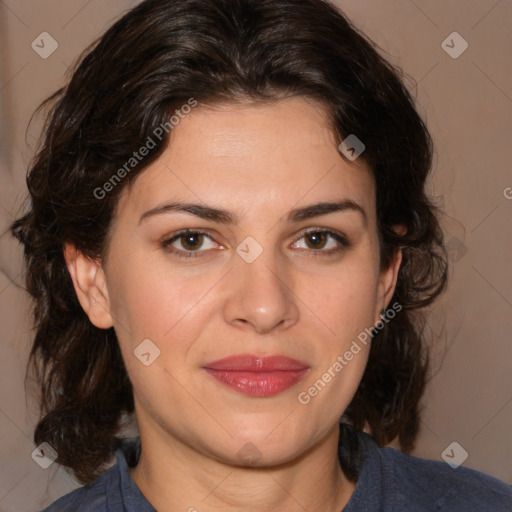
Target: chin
x,y
257,447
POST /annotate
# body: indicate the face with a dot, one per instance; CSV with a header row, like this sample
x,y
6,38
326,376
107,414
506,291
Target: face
x,y
279,287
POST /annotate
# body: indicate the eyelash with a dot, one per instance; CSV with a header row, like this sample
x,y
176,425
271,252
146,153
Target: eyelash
x,y
166,244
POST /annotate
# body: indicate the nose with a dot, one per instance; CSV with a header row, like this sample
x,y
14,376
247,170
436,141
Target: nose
x,y
261,295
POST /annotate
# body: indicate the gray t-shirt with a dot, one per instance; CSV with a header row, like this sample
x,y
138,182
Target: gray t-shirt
x,y
389,481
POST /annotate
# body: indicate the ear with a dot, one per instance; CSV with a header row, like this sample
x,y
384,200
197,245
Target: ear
x,y
90,286
389,276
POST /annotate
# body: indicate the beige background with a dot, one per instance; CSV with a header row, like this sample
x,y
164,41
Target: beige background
x,y
467,102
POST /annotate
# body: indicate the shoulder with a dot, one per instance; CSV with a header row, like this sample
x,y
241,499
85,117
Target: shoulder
x,y
112,491
434,485
108,491
90,498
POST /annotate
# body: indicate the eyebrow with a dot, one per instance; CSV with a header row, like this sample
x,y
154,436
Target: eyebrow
x,y
226,217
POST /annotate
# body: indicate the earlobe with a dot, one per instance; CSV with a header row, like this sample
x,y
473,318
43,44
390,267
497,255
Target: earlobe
x,y
90,286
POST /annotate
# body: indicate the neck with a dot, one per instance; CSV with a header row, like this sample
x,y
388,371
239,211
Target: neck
x,y
173,476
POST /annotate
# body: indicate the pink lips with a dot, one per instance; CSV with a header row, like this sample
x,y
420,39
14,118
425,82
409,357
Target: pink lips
x,y
257,376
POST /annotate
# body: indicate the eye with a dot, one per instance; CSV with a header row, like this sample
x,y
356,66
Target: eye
x,y
187,242
322,240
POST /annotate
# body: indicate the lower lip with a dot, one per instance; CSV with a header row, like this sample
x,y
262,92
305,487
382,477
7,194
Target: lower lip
x,y
258,383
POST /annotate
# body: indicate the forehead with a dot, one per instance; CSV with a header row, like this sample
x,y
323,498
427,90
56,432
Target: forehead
x,y
252,157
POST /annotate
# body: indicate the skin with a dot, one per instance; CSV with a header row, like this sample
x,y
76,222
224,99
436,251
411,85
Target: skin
x,y
258,162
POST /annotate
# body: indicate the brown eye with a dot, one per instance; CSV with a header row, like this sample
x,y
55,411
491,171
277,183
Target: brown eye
x,y
322,241
192,241
316,240
189,243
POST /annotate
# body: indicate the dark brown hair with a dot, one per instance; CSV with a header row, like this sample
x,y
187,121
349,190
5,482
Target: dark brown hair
x,y
153,60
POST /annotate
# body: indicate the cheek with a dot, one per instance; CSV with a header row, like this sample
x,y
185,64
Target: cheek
x,y
154,300
346,306
345,300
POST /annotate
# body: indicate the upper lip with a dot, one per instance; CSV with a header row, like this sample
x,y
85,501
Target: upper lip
x,y
252,363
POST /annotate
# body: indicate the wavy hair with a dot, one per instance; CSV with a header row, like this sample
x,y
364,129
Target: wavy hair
x,y
148,64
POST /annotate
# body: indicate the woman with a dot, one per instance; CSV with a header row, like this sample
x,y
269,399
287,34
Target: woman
x,y
229,238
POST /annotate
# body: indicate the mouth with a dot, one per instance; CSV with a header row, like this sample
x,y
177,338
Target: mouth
x,y
257,376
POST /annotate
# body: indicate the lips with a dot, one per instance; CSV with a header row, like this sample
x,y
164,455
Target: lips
x,y
257,376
